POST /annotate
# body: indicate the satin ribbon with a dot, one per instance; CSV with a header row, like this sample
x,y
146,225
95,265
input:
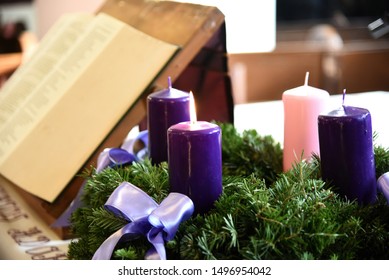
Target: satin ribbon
x,y
383,185
109,157
159,223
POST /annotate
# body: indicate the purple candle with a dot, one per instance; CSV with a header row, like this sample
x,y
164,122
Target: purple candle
x,y
346,152
164,108
195,162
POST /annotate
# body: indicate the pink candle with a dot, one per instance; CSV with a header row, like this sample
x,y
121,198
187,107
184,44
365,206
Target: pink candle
x,y
302,106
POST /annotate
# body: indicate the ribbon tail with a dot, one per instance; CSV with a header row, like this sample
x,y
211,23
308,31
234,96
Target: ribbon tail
x,y
64,219
165,220
128,232
158,252
103,160
104,252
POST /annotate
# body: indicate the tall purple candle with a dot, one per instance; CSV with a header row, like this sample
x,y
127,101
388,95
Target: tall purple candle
x,y
346,153
164,108
195,162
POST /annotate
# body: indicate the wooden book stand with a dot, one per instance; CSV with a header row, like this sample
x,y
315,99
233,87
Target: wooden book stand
x,y
200,66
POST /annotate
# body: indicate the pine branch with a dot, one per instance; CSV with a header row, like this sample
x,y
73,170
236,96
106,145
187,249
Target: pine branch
x,y
262,213
250,153
381,155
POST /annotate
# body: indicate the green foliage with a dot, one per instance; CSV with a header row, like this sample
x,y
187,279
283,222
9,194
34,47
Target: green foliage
x,y
250,153
381,160
262,213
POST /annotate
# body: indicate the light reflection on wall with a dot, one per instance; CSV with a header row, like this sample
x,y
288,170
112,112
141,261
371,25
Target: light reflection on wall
x,y
250,24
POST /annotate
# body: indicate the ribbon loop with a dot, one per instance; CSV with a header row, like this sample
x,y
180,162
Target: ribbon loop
x,y
109,157
159,223
173,210
129,145
125,154
130,202
119,156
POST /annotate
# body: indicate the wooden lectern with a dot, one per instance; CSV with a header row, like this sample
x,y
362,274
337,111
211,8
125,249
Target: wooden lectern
x,y
200,66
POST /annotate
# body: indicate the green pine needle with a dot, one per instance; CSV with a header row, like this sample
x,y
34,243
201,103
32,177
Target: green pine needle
x,y
263,213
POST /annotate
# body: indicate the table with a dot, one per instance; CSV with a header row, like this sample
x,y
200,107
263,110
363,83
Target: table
x,y
268,117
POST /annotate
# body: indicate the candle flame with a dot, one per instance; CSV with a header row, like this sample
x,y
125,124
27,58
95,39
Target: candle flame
x,y
192,108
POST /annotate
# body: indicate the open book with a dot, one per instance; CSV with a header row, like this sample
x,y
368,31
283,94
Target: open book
x,y
60,105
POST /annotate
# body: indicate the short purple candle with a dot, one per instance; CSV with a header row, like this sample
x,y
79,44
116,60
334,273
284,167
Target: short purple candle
x,y
347,154
195,162
164,108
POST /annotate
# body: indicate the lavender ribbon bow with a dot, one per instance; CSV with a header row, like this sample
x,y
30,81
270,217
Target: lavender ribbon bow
x,y
159,223
109,157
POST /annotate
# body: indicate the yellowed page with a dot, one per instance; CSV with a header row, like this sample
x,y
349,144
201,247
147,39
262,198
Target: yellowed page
x,y
52,47
100,78
16,116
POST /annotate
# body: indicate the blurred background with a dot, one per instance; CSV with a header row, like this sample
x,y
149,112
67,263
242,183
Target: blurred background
x,y
334,40
271,43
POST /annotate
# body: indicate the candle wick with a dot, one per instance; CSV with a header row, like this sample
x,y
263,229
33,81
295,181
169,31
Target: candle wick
x,y
169,82
306,78
344,96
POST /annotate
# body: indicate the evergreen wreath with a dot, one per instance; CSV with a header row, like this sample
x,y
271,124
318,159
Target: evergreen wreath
x,y
263,213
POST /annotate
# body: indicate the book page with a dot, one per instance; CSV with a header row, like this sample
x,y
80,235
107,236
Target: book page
x,y
17,95
24,235
78,103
